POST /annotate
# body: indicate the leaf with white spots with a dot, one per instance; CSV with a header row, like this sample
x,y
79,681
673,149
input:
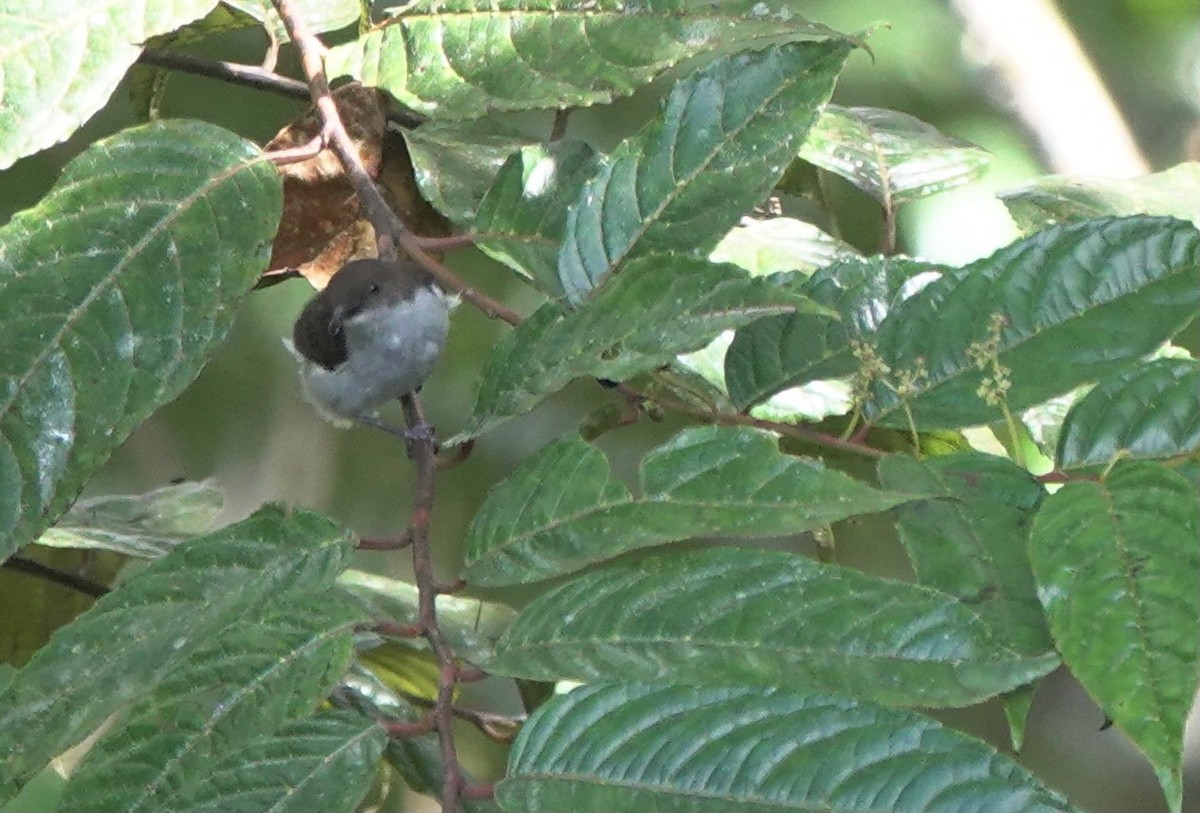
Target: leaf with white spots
x,y
60,60
114,291
464,59
892,156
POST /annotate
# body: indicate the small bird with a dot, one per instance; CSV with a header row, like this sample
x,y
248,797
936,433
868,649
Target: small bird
x,y
372,335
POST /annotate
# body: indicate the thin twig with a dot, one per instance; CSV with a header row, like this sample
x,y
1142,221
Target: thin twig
x,y
400,728
887,237
248,75
385,543
271,278
294,155
252,76
415,246
471,674
452,587
477,790
423,450
1057,476
393,630
501,728
29,567
456,455
450,241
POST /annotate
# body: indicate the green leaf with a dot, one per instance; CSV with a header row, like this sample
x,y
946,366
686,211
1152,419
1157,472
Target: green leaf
x,y
114,291
634,747
779,352
971,542
524,212
471,626
143,525
455,162
1069,305
662,305
322,763
461,59
62,59
42,793
561,509
1065,199
1150,411
247,680
780,244
892,156
1117,564
135,636
318,15
724,616
720,143
1017,705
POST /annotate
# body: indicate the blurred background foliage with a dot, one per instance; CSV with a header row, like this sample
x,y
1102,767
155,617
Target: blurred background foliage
x,y
245,425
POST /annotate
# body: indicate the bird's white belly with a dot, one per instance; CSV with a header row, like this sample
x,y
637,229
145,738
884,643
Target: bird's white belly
x,y
390,354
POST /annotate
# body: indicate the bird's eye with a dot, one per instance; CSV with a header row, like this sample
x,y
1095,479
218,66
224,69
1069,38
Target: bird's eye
x,y
374,288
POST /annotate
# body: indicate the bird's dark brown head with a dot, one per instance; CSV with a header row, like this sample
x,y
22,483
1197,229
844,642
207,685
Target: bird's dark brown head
x,y
319,332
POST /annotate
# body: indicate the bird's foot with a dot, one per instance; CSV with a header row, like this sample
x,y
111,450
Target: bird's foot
x,y
412,435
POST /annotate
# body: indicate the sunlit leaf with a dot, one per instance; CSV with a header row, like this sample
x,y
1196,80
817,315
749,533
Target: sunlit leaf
x,y
780,244
318,15
62,59
462,59
1071,304
892,156
524,212
1065,199
143,525
721,141
455,162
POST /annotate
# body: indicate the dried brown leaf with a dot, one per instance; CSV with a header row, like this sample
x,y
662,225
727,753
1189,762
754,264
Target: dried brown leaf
x,y
323,225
